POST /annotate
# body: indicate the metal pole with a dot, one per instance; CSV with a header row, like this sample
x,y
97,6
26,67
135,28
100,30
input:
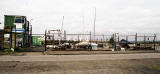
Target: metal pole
x,y
78,37
3,39
15,38
31,31
65,35
62,28
115,41
59,33
154,41
94,24
45,41
90,38
90,41
144,41
136,41
11,36
31,34
126,39
103,39
62,23
118,39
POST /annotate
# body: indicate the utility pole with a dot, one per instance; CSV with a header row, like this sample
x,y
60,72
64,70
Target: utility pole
x,y
94,24
118,39
90,48
114,38
136,41
45,45
61,29
103,37
78,37
154,41
144,41
11,35
31,34
15,39
126,39
31,30
115,47
65,35
90,38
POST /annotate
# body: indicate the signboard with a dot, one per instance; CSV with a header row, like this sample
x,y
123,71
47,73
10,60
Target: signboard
x,y
18,25
18,30
6,35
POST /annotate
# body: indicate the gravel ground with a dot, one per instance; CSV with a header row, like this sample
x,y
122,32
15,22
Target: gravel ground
x,y
98,52
78,57
125,66
140,63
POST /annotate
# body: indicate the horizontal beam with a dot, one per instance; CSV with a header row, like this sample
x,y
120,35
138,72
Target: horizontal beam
x,y
77,34
139,36
38,34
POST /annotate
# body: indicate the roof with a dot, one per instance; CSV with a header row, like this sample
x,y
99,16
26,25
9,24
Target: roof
x,y
14,15
123,41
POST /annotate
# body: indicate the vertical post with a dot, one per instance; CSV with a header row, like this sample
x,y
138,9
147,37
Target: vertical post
x,y
103,39
118,39
90,41
45,41
61,29
136,41
3,39
126,39
144,41
154,41
97,40
53,42
90,38
15,38
11,35
31,34
78,37
115,41
65,35
94,24
49,37
59,34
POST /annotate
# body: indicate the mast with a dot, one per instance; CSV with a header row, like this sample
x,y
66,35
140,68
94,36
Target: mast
x,y
94,24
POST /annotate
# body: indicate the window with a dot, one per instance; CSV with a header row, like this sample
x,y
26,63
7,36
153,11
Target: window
x,y
18,20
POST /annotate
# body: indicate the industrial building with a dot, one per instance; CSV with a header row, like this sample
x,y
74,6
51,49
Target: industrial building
x,y
17,32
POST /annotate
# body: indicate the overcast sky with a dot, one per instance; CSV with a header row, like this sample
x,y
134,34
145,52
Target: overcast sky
x,y
123,16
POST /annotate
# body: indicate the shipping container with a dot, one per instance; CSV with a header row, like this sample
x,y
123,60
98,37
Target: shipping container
x,y
36,41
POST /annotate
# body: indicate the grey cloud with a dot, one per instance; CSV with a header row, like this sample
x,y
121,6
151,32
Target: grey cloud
x,y
124,16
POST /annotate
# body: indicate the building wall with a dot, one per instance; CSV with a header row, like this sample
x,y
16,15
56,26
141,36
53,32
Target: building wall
x,y
20,37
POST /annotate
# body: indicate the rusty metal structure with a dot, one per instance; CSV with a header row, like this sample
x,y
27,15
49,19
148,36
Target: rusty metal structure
x,y
140,41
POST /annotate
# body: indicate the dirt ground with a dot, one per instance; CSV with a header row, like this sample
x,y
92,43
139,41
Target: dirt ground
x,y
98,52
130,66
81,62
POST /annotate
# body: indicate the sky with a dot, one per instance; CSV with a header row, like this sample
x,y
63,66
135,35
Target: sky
x,y
112,16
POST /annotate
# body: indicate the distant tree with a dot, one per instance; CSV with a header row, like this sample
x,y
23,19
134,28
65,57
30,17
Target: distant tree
x,y
111,40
